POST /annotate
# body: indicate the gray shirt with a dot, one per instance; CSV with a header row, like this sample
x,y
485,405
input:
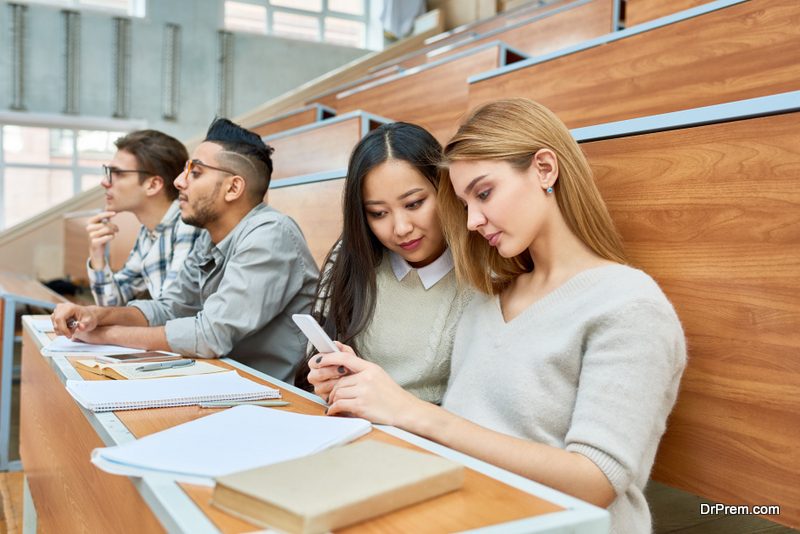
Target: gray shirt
x,y
237,298
592,367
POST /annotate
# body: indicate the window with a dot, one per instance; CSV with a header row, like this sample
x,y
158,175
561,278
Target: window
x,y
341,22
132,8
242,17
41,166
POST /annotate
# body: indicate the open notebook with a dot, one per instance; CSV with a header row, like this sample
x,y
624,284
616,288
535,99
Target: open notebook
x,y
108,395
233,440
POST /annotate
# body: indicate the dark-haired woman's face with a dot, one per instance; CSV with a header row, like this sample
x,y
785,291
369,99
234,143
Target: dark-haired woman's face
x,y
400,206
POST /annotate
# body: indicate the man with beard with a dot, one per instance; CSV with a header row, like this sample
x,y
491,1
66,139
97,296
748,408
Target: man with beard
x,y
242,282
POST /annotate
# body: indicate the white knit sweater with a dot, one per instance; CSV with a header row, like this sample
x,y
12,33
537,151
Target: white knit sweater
x,y
593,367
411,332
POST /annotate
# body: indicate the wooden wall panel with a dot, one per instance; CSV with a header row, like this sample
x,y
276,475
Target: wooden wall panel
x,y
713,214
317,208
739,52
434,98
552,33
324,148
639,11
71,495
287,122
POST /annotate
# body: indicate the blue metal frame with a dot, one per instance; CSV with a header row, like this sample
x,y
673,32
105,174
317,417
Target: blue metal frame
x,y
7,371
730,111
616,21
610,37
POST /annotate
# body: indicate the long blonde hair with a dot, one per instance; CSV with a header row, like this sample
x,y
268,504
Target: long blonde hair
x,y
513,130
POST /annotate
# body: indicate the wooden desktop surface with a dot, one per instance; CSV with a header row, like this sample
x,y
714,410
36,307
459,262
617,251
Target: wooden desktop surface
x,y
70,494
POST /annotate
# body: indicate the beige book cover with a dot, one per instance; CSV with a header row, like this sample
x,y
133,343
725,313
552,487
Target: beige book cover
x,y
336,487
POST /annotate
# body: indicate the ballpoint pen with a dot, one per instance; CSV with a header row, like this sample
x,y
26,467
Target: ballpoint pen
x,y
230,404
165,365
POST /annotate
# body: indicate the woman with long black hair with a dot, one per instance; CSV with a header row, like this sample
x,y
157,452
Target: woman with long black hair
x,y
387,288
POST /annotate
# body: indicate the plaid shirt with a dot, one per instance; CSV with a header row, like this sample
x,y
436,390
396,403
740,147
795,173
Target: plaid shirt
x,y
152,265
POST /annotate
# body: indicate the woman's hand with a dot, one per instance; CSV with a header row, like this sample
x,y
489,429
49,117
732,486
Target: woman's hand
x,y
324,376
367,391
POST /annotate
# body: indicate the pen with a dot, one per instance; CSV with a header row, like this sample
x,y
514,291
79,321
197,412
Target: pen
x,y
72,323
230,404
165,365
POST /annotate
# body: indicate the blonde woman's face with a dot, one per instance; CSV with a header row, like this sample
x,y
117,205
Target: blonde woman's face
x,y
400,206
509,208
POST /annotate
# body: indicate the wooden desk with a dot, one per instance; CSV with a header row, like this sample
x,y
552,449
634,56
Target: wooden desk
x,y
15,289
70,495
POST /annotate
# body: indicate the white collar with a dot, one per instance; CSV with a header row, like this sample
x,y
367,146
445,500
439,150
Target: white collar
x,y
428,275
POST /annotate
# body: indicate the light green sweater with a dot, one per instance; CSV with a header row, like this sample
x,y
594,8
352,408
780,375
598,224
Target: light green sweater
x,y
412,330
592,367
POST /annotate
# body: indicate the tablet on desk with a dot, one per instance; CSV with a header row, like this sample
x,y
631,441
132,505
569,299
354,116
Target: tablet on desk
x,y
151,356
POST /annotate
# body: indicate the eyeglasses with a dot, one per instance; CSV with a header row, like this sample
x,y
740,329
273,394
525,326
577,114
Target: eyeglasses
x,y
109,172
187,170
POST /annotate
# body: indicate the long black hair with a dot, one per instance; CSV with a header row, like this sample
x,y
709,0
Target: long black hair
x,y
346,290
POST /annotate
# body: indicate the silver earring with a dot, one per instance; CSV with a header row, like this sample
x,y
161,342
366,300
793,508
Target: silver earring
x,y
550,190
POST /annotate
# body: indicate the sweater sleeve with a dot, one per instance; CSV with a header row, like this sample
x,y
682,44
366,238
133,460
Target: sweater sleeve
x,y
632,363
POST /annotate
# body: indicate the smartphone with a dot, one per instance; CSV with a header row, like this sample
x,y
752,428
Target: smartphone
x,y
314,332
136,357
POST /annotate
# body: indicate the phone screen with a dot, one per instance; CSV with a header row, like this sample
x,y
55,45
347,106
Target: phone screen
x,y
140,356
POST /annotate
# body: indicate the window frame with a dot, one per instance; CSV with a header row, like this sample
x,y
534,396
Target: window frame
x,y
34,120
320,16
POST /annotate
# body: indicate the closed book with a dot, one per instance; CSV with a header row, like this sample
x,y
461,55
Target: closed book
x,y
336,487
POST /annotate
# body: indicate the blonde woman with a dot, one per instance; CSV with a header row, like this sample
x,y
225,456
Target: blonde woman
x,y
566,367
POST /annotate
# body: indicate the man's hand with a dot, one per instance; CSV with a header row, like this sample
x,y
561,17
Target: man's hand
x,y
69,318
100,231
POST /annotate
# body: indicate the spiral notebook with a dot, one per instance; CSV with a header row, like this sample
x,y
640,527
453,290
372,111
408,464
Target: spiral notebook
x,y
110,395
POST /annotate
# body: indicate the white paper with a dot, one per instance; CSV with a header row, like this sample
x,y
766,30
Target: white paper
x,y
44,326
239,438
62,345
108,395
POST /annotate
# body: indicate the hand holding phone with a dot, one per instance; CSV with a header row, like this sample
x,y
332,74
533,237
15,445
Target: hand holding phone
x,y
314,332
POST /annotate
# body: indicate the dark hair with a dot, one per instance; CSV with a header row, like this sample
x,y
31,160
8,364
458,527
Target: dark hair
x,y
234,138
346,290
158,154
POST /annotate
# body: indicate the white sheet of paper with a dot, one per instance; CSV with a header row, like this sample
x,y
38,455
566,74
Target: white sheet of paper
x,y
44,326
239,438
64,345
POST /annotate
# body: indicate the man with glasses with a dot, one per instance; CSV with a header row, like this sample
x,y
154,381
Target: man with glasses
x,y
140,179
239,287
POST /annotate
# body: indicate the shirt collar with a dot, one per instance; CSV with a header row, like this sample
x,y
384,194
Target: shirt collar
x,y
173,212
428,275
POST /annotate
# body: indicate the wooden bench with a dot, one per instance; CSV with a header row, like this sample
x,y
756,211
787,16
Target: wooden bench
x,y
468,32
320,146
433,95
15,290
712,212
293,119
732,51
315,202
328,97
639,11
550,30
